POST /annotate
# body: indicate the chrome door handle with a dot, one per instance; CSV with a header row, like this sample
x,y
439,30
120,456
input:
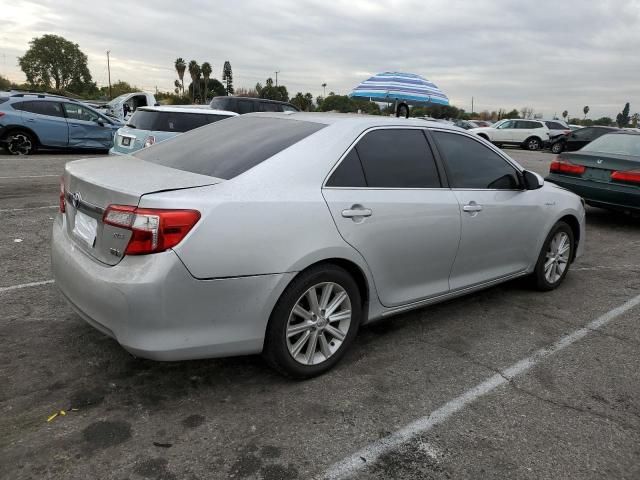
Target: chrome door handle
x,y
356,211
472,207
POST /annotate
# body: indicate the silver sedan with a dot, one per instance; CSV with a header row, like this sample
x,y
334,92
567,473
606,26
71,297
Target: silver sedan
x,y
283,233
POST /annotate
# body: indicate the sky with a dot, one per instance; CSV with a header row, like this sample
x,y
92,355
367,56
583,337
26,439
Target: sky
x,y
551,55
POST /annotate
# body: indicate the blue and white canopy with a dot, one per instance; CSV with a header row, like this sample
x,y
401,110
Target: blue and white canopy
x,y
407,87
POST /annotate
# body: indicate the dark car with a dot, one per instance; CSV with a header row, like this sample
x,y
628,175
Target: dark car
x,y
242,105
606,172
577,139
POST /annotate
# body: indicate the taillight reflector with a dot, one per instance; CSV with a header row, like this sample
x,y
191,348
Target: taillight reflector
x,y
560,165
631,176
153,230
63,203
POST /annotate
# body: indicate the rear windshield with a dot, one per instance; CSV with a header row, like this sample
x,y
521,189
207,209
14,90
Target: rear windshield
x,y
615,143
227,149
171,121
220,103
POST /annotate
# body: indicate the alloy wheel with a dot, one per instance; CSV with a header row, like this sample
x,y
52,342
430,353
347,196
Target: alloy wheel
x,y
19,144
318,323
533,144
557,257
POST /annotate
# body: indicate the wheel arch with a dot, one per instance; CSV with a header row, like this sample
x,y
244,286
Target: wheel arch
x,y
16,128
573,222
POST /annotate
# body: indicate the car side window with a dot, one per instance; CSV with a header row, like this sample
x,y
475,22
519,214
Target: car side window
x,y
52,109
245,106
508,124
583,134
472,165
78,112
397,158
349,173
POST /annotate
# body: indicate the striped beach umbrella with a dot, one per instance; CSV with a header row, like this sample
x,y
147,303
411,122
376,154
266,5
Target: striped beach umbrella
x,y
404,87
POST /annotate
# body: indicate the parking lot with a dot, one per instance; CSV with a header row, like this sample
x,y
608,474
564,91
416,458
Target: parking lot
x,y
440,392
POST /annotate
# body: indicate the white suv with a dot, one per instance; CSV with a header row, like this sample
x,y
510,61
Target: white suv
x,y
529,134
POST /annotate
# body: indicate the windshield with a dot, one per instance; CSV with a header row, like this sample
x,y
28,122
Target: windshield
x,y
118,99
227,149
616,144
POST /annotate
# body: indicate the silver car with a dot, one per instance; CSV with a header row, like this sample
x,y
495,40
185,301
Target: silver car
x,y
283,233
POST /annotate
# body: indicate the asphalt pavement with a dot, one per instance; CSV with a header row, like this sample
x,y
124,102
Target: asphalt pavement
x,y
507,383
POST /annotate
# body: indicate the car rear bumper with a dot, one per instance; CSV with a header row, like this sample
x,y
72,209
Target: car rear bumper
x,y
607,195
155,309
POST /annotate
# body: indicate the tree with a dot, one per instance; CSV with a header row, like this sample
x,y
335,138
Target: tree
x,y
623,118
526,112
344,104
585,110
272,92
55,62
206,73
605,121
5,83
565,114
227,77
634,120
181,66
119,88
246,92
194,72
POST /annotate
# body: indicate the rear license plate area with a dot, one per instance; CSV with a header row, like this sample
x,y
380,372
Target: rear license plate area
x,y
597,174
85,228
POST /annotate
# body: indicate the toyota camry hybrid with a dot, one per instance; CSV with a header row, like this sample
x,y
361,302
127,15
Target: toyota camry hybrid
x,y
283,233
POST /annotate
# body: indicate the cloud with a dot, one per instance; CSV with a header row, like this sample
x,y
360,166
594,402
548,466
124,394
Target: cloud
x,y
546,54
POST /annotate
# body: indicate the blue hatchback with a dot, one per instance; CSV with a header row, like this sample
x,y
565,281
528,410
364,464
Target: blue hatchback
x,y
29,121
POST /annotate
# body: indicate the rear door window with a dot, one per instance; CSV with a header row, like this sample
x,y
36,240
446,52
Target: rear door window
x,y
349,173
227,149
245,106
51,109
472,165
397,158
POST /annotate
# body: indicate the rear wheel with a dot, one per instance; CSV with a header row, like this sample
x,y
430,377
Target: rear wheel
x,y
555,258
314,322
20,142
533,143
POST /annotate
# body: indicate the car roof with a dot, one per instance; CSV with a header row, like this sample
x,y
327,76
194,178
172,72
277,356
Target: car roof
x,y
354,119
41,96
188,109
252,99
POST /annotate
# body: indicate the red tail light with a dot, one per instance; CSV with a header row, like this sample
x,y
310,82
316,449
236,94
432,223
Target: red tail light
x,y
153,230
1,114
631,176
63,203
560,165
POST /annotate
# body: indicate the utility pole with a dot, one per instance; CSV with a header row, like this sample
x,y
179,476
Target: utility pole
x,y
109,72
471,104
277,77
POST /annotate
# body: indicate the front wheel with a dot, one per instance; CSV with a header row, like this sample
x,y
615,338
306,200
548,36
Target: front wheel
x,y
557,147
555,258
314,322
20,143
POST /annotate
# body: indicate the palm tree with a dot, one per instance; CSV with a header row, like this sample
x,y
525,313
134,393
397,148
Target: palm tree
x,y
206,73
194,71
181,66
585,110
565,114
324,89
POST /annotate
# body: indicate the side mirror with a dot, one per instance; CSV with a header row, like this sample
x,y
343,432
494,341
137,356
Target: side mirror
x,y
532,181
100,122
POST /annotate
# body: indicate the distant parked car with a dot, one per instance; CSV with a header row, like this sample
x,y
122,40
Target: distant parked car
x,y
529,134
577,139
123,106
150,125
482,123
29,121
469,124
243,105
575,127
557,128
606,172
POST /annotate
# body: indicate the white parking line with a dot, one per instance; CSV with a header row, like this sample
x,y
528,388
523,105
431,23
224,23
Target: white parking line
x,y
372,452
25,285
30,176
3,210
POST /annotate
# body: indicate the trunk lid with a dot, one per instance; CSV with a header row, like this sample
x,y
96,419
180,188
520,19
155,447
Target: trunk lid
x,y
600,165
92,185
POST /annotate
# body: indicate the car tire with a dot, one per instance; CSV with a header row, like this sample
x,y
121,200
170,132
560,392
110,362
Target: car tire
x,y
533,144
20,142
554,261
557,147
300,342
